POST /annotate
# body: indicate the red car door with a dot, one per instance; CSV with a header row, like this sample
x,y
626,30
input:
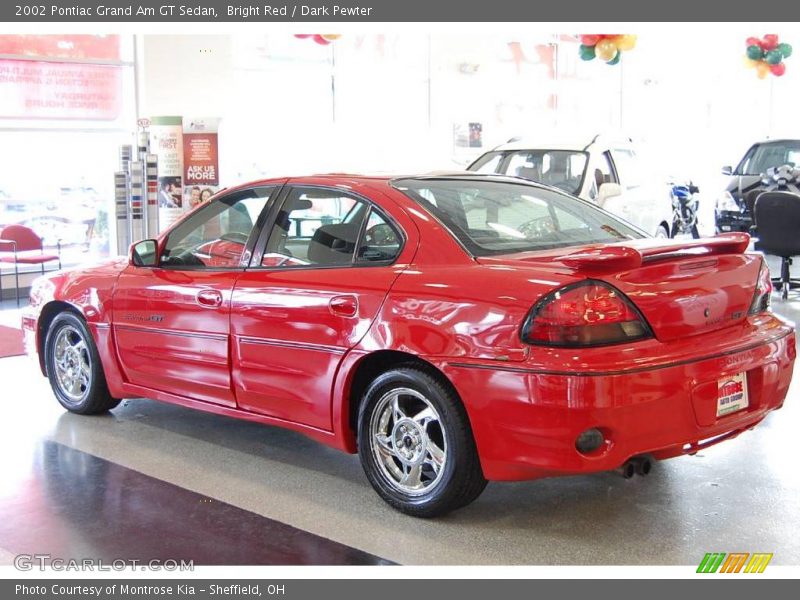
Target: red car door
x,y
320,275
172,321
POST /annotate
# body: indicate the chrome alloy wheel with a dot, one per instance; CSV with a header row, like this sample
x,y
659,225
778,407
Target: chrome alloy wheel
x,y
408,441
73,363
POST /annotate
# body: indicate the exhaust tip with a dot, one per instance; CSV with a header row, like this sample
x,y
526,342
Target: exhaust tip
x,y
643,466
628,470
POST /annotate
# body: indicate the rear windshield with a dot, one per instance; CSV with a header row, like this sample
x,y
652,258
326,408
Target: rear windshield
x,y
498,217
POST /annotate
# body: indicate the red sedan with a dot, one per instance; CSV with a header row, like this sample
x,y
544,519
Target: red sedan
x,y
450,329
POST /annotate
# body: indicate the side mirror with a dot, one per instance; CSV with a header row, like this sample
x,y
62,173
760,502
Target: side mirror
x,y
608,190
727,170
144,254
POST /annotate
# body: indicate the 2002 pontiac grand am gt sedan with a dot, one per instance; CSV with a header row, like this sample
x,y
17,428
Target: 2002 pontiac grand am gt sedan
x,y
451,329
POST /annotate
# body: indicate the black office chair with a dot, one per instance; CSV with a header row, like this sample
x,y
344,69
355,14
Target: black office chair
x,y
778,218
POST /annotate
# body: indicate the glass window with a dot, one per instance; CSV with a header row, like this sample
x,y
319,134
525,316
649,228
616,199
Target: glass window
x,y
765,156
559,168
491,217
381,242
628,167
488,163
219,235
602,173
315,227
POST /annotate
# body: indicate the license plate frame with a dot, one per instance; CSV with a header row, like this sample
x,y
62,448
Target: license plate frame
x,y
732,394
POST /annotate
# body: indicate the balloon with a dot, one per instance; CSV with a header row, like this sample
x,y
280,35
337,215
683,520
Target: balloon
x,y
762,70
586,52
778,70
614,60
754,52
302,36
331,37
589,40
320,40
785,50
625,42
773,57
605,50
750,64
753,41
770,41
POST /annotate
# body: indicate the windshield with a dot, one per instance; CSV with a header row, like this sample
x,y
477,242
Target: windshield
x,y
498,217
563,169
765,156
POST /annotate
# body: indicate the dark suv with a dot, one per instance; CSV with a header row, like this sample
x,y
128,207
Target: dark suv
x,y
731,211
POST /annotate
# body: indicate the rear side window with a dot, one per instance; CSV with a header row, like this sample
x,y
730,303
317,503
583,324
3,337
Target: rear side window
x,y
497,217
318,227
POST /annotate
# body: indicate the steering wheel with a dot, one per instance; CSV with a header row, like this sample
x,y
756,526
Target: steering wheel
x,y
538,227
236,237
379,235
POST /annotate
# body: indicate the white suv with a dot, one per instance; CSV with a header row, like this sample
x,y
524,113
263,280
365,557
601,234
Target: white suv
x,y
604,170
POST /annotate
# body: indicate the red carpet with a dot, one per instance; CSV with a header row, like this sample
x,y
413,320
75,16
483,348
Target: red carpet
x,y
10,342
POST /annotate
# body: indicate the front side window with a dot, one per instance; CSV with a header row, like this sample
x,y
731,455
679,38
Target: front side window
x,y
328,228
219,235
494,217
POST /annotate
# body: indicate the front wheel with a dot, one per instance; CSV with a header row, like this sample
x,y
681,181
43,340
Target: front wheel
x,y
416,446
74,368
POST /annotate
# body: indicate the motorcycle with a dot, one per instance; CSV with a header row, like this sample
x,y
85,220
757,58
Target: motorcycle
x,y
684,209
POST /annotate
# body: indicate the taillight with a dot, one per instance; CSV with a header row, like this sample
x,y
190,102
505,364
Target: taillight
x,y
763,295
589,313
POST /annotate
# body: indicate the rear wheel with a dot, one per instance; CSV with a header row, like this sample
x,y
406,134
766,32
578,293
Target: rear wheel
x,y
662,232
416,445
74,368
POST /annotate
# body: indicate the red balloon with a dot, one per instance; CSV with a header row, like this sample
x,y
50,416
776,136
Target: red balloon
x,y
753,41
770,42
321,40
778,70
589,40
302,36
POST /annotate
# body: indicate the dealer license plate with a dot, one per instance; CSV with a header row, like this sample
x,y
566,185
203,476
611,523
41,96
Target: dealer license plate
x,y
731,394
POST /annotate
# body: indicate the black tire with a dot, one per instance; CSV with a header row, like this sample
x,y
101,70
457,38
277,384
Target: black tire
x,y
664,231
90,395
458,481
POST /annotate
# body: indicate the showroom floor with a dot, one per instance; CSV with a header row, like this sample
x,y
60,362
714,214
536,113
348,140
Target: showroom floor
x,y
154,480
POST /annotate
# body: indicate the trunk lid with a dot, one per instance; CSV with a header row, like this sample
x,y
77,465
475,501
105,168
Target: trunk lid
x,y
681,287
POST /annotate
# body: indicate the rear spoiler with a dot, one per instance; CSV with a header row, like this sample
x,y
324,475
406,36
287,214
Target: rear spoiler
x,y
624,257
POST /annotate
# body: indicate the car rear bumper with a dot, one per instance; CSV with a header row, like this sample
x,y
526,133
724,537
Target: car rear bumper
x,y
526,419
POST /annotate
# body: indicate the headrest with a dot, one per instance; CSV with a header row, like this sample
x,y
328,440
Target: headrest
x,y
333,244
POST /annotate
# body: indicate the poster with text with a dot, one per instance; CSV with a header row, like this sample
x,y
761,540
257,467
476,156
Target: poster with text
x,y
166,141
200,160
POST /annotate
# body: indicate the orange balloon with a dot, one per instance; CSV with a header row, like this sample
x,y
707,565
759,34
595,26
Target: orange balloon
x,y
749,63
762,69
331,37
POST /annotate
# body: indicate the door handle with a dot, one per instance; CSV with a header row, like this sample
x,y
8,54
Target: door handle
x,y
344,305
209,298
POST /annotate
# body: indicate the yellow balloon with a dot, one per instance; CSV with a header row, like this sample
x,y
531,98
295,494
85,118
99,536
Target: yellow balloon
x,y
625,42
750,63
605,49
762,69
331,37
